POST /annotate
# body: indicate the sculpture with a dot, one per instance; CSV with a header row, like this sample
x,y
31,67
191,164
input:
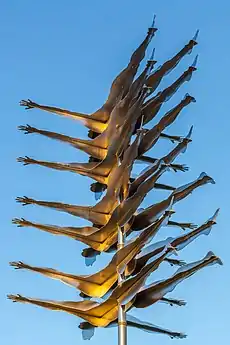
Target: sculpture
x,y
117,141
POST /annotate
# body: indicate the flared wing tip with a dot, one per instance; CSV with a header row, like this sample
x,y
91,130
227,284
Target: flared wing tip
x,y
210,255
214,217
219,261
205,175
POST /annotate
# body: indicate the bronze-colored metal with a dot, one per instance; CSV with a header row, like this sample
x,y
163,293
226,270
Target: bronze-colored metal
x,y
168,159
99,147
102,115
151,137
179,243
118,90
88,329
98,284
101,315
101,171
96,214
94,151
149,214
149,110
153,292
156,77
138,222
113,152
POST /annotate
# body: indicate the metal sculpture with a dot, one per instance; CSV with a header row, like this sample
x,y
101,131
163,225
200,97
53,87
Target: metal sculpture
x,y
119,141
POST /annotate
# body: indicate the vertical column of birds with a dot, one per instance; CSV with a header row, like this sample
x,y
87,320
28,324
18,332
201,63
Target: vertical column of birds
x,y
117,140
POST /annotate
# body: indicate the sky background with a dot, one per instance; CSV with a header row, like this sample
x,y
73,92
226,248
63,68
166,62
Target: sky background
x,y
66,53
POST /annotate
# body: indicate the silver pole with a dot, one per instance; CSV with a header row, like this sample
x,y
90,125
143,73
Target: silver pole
x,y
122,326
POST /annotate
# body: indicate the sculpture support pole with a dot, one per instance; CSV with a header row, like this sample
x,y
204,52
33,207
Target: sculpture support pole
x,y
122,324
122,327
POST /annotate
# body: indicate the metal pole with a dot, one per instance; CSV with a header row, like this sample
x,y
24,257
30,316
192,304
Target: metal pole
x,y
122,326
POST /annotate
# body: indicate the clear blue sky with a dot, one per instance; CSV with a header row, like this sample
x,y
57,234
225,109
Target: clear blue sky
x,y
66,53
